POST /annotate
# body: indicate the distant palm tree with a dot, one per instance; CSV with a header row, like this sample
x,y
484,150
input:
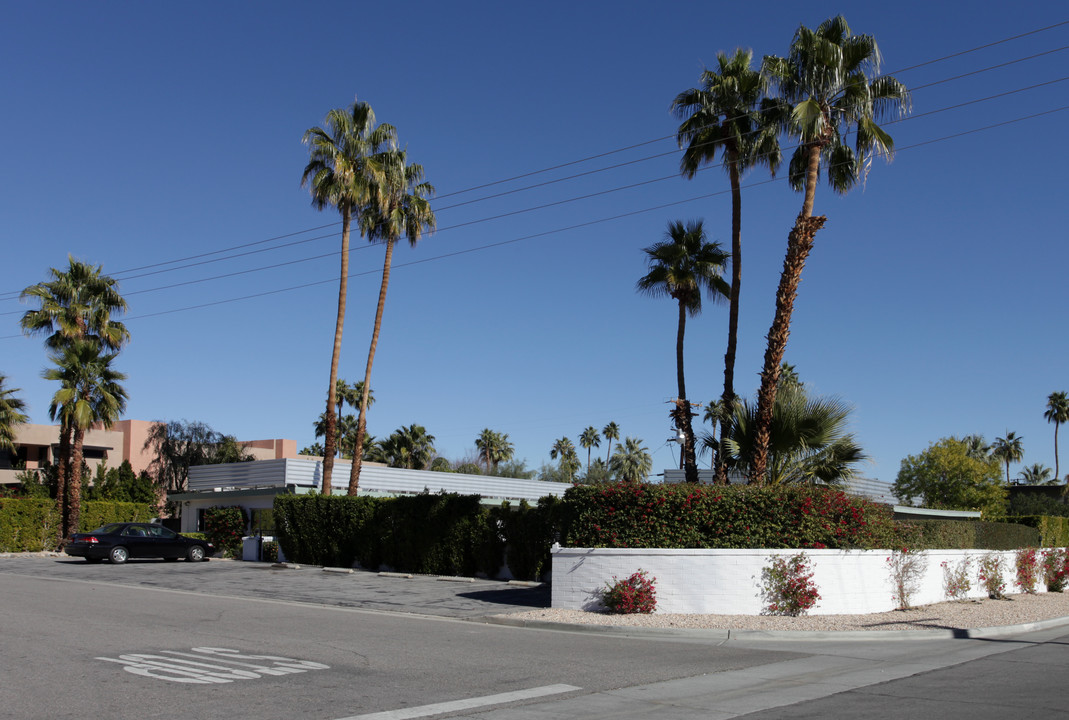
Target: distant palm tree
x,y
1036,475
631,462
589,438
494,448
11,415
722,115
404,211
1008,449
344,171
407,447
810,442
90,392
76,304
685,266
610,432
1057,412
976,447
825,90
569,462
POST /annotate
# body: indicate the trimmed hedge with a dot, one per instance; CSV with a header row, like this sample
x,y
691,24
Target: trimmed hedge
x,y
31,524
328,530
529,534
969,534
1053,530
689,516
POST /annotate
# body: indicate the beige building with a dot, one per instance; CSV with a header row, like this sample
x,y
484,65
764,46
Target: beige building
x,y
37,445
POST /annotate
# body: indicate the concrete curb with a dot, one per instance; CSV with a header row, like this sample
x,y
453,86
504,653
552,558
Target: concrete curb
x,y
724,635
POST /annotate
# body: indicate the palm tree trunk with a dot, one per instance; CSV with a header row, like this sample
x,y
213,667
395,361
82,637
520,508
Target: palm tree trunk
x,y
63,459
74,484
682,411
330,440
728,398
1057,472
799,244
361,425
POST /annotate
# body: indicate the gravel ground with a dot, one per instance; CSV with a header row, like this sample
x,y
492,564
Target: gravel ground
x,y
967,615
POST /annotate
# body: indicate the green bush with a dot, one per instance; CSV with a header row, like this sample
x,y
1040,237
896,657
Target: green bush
x,y
96,513
1053,530
224,528
970,534
688,516
529,533
328,530
28,524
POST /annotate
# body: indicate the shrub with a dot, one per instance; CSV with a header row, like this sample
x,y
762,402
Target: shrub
x,y
957,581
1025,566
788,587
224,527
529,533
991,575
972,534
635,594
907,568
1055,562
269,551
688,516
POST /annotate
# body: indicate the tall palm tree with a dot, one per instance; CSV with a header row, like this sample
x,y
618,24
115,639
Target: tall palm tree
x,y
1008,449
90,392
404,211
722,116
825,89
1036,475
684,266
810,442
589,438
1057,412
631,462
610,432
565,450
11,415
344,171
494,448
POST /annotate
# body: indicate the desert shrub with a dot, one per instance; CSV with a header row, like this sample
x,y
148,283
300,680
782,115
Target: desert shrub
x,y
957,579
635,594
907,568
990,574
788,587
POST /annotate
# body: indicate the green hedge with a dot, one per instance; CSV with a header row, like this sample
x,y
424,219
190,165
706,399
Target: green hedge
x,y
969,534
529,534
688,516
328,530
1053,530
31,524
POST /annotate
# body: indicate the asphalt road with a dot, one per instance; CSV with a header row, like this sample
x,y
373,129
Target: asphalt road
x,y
235,640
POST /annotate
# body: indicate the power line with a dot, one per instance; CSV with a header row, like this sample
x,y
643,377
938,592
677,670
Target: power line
x,y
562,229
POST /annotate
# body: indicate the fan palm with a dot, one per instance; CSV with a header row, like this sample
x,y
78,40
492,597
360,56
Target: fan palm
x,y
631,462
1057,412
494,448
11,415
76,304
1036,475
405,211
809,440
1008,449
569,461
344,171
684,266
825,89
722,116
610,432
589,438
90,392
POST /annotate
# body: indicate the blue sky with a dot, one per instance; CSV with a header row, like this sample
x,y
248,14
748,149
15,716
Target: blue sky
x,y
136,134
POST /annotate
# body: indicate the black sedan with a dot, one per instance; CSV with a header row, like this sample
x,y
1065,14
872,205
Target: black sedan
x,y
119,541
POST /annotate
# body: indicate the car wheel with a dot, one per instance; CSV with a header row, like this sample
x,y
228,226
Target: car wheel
x,y
118,555
196,554
93,560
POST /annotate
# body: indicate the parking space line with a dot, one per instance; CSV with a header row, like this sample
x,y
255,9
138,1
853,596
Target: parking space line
x,y
468,704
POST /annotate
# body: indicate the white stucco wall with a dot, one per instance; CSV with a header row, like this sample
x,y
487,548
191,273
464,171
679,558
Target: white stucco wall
x,y
728,582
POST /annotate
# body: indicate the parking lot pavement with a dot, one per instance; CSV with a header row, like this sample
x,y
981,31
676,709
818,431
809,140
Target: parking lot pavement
x,y
421,594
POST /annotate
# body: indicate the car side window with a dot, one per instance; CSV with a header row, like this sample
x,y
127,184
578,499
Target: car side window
x,y
164,533
133,531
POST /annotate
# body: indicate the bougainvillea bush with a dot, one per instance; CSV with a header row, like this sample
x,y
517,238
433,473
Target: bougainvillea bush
x,y
635,594
991,575
907,567
956,579
1055,563
705,516
1025,567
787,586
224,527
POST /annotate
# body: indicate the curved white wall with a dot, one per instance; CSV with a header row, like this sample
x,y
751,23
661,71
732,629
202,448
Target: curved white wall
x,y
728,582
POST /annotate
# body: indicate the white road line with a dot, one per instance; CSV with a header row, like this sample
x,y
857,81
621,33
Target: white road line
x,y
455,705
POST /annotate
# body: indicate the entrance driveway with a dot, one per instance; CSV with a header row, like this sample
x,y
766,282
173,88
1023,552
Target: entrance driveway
x,y
422,594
